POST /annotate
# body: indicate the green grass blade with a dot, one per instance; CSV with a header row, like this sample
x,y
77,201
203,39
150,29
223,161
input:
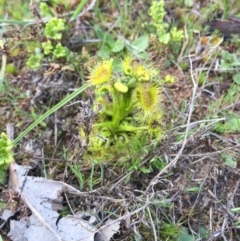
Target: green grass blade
x,y
52,110
78,10
17,22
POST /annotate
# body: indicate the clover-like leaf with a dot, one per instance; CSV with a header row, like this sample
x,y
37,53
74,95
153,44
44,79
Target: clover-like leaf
x,y
140,44
118,46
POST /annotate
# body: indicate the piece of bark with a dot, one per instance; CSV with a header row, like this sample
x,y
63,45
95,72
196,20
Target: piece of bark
x,y
231,26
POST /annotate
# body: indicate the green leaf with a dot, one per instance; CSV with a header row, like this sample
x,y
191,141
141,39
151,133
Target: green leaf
x,y
185,236
45,10
2,176
47,47
155,162
119,86
145,170
109,40
229,161
34,61
118,46
142,55
78,9
236,78
60,51
229,61
140,44
203,232
104,52
135,165
6,154
235,210
78,174
192,189
189,3
52,110
164,38
99,32
232,124
54,28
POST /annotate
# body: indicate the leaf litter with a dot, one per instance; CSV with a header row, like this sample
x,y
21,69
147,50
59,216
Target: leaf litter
x,y
40,196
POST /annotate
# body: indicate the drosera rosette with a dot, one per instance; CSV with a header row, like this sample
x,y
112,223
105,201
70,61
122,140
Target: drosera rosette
x,y
128,97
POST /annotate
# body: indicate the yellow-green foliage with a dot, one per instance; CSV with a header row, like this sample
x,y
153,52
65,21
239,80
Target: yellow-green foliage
x,y
6,155
164,35
128,106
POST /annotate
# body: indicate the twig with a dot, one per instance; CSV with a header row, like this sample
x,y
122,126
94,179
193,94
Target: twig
x,y
153,226
10,131
125,216
185,43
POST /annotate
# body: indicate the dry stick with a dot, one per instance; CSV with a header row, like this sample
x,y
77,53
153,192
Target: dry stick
x,y
174,161
223,227
211,219
153,227
233,194
185,43
208,154
69,205
125,216
223,206
10,131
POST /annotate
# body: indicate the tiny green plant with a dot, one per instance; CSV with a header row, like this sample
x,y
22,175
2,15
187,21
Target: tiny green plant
x,y
34,61
54,28
167,35
230,63
52,47
128,109
6,155
169,231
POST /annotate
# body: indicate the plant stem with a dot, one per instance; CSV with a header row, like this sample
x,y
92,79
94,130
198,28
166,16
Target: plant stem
x,y
226,9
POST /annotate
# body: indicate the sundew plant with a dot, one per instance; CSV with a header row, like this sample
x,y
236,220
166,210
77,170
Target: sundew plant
x,y
128,106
